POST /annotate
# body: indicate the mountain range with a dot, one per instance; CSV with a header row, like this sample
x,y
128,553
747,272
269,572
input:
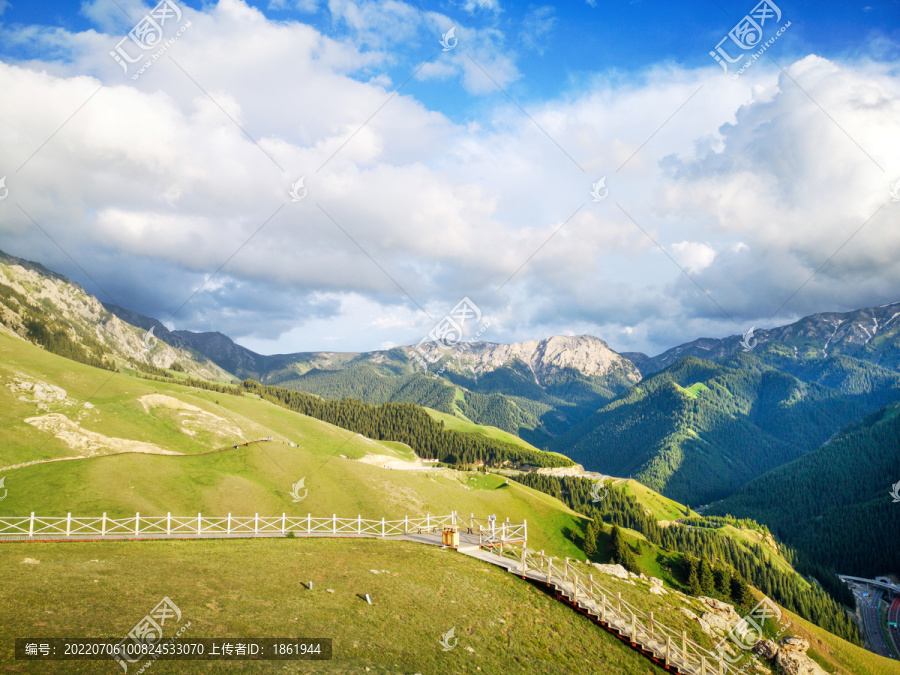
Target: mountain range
x,y
697,423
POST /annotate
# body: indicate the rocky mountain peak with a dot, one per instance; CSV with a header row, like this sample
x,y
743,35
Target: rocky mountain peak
x,y
587,354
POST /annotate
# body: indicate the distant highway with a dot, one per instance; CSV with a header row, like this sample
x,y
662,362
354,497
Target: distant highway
x,y
894,618
868,602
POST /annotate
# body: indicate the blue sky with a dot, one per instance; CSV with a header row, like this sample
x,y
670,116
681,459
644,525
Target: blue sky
x,y
734,199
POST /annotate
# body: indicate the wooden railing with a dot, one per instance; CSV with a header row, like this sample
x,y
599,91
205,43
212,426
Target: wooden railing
x,y
672,648
211,526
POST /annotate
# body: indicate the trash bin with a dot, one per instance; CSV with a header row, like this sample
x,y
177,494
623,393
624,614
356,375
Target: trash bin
x,y
451,536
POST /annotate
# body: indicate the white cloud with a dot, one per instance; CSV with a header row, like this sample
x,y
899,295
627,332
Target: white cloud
x,y
151,186
693,256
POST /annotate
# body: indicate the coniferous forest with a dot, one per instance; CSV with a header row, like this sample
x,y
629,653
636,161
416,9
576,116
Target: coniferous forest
x,y
722,555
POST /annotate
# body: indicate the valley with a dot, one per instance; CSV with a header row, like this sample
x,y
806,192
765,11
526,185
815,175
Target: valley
x,y
169,430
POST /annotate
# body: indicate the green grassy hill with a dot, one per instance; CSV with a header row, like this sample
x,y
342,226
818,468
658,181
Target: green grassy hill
x,y
258,589
129,414
118,426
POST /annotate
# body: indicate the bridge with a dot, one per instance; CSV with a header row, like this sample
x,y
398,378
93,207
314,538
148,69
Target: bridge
x,y
876,583
503,544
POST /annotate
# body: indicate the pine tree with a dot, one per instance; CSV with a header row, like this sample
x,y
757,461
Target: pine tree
x,y
694,583
590,540
722,576
707,581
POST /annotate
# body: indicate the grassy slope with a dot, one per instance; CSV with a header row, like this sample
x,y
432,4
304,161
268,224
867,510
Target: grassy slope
x,y
662,508
256,589
248,480
253,479
460,424
836,655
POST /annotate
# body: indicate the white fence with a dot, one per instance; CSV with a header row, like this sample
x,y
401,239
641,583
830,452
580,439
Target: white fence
x,y
256,525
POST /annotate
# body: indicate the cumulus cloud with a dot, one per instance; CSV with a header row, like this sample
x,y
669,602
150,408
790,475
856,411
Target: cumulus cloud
x,y
175,186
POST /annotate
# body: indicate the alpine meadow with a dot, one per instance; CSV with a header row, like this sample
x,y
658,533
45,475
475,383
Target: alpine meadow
x,y
435,337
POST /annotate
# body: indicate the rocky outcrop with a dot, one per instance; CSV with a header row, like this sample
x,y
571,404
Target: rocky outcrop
x,y
587,354
766,649
613,570
793,659
58,299
719,615
790,655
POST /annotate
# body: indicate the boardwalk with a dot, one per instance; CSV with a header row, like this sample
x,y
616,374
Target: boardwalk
x,y
503,544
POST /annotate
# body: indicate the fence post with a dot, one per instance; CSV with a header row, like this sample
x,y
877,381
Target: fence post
x,y
103,525
69,525
169,523
453,517
333,523
651,625
668,649
137,520
502,531
256,524
428,522
603,607
633,627
283,522
549,568
405,524
702,665
382,526
199,524
308,523
684,646
619,601
358,524
566,570
31,526
523,561
525,530
228,525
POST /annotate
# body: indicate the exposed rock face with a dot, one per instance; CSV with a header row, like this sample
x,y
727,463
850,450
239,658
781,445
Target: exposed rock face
x,y
656,586
766,649
59,299
613,570
587,354
719,615
793,659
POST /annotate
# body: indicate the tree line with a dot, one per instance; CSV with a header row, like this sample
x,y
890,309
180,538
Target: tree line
x,y
710,548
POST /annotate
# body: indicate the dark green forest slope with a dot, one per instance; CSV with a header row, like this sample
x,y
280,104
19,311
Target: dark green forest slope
x,y
834,504
699,430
